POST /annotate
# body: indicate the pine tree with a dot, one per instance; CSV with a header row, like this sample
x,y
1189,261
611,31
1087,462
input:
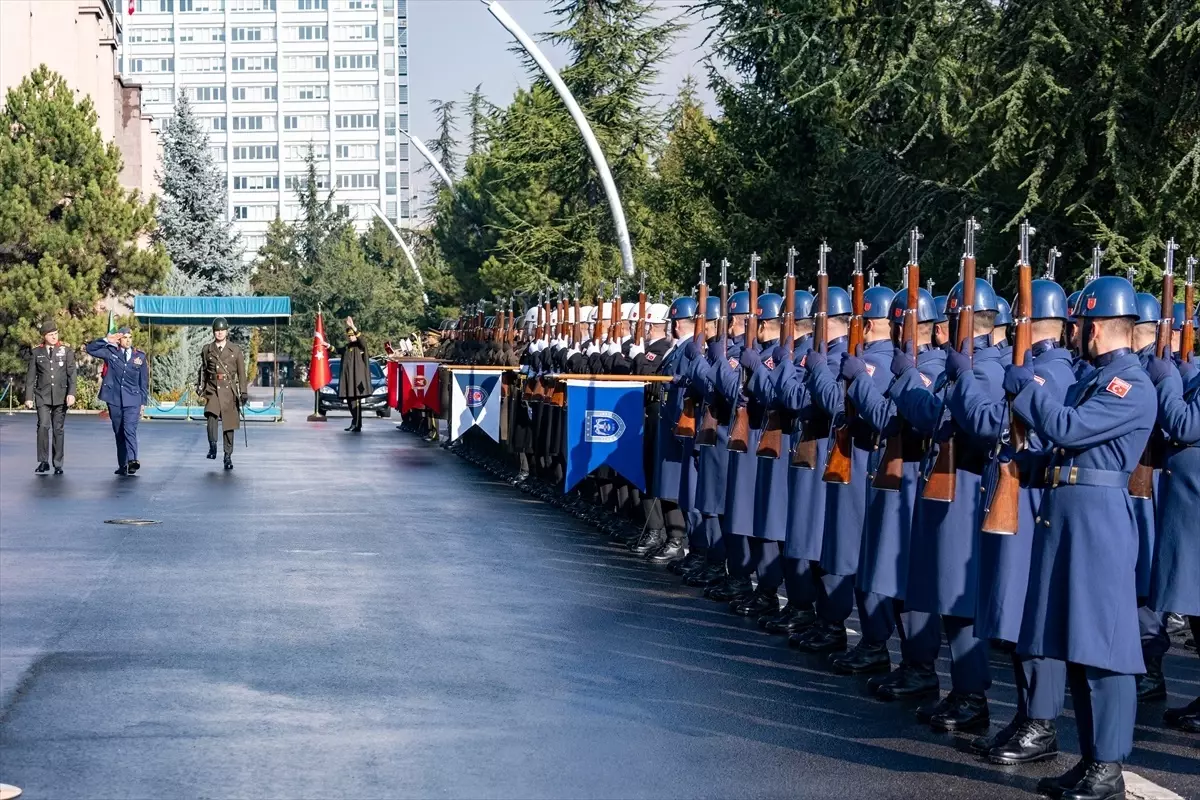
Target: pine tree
x,y
479,109
444,147
69,232
193,217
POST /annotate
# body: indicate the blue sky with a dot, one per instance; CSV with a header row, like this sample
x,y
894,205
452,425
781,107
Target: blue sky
x,y
453,45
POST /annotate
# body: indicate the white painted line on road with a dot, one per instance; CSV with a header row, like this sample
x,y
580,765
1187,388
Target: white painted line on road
x,y
1138,788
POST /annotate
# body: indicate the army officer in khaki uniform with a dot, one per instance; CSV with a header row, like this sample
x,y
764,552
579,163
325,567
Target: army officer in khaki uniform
x,y
222,384
50,387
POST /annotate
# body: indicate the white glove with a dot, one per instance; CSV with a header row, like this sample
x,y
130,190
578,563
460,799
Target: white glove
x,y
593,348
609,348
635,350
574,351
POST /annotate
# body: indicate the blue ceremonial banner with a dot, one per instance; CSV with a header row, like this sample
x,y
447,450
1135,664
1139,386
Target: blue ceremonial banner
x,y
475,400
606,421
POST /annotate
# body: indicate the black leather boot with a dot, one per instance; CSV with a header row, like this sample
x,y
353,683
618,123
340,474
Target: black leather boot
x,y
982,745
672,552
824,637
1059,784
695,560
928,711
969,712
1102,780
212,450
649,541
878,682
757,604
134,466
863,658
228,462
711,575
1175,717
1033,740
43,466
912,681
731,589
1151,685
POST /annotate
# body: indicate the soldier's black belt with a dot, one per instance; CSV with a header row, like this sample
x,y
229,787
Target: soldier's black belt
x,y
1086,476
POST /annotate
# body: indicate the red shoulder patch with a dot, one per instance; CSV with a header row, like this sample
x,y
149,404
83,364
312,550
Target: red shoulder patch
x,y
651,356
870,369
769,363
733,364
925,380
1118,387
1040,380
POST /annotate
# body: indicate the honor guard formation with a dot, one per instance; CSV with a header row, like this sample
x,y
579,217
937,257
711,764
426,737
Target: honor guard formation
x,y
1022,478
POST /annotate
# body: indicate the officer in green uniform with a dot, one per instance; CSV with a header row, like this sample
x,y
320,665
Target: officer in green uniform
x,y
50,387
222,384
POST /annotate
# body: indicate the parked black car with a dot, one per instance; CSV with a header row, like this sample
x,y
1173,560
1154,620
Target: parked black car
x,y
377,402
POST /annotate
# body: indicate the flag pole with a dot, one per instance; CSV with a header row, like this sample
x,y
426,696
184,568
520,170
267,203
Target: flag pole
x,y
319,356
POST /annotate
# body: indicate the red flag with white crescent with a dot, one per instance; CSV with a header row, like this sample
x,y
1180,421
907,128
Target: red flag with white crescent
x,y
318,366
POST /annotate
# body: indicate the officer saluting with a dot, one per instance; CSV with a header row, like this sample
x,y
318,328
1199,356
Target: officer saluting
x,y
126,389
50,387
222,384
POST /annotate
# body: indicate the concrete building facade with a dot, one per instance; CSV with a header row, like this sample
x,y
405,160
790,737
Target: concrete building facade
x,y
269,79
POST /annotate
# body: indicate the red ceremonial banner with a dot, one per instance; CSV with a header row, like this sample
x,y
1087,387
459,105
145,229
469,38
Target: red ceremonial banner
x,y
393,384
419,386
319,373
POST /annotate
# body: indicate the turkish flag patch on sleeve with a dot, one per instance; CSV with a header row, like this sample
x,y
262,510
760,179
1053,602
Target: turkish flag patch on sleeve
x,y
733,364
651,356
925,380
871,370
1118,387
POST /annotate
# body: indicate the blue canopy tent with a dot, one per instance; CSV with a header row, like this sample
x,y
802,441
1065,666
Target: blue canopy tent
x,y
247,311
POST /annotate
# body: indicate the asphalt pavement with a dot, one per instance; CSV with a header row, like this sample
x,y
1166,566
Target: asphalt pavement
x,y
369,616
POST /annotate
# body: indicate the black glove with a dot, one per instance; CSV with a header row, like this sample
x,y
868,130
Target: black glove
x,y
245,398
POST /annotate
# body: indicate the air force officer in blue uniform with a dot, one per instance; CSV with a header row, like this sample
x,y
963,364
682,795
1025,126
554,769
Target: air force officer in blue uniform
x,y
126,389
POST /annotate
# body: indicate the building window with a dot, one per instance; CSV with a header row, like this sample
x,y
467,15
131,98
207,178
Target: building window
x,y
255,93
306,33
255,152
202,64
256,213
389,151
299,152
254,243
202,34
312,5
302,63
404,207
404,151
206,94
390,209
403,93
165,6
356,33
254,123
150,35
152,65
357,121
158,94
200,6
356,61
255,183
297,180
401,8
252,5
357,91
402,64
358,180
254,64
306,122
216,123
252,34
313,92
389,124
217,151
358,152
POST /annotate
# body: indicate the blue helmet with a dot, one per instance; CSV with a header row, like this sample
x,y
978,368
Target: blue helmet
x,y
1004,313
770,306
985,297
876,302
804,304
926,307
1148,308
939,305
839,302
683,308
1108,296
712,309
1073,304
1049,300
739,303
1177,317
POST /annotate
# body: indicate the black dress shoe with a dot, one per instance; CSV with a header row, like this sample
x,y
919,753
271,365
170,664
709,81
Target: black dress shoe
x,y
863,658
793,619
928,711
228,462
695,560
1033,740
121,471
1102,780
1151,685
911,681
731,589
134,466
712,575
349,428
824,637
1057,785
968,712
212,451
672,552
649,541
982,745
756,604
1174,624
58,471
42,467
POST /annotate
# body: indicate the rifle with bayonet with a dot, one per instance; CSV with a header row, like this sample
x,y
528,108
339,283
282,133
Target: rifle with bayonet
x,y
942,482
686,427
739,429
1002,513
890,474
838,465
640,324
707,435
1141,480
804,451
1187,335
770,444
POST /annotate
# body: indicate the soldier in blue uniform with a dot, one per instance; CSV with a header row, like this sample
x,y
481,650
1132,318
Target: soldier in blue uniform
x,y
1004,320
675,477
1004,560
943,572
1081,606
126,390
1175,585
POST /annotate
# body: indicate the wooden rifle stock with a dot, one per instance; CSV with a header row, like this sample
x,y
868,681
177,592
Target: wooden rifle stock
x,y
804,451
770,444
1003,510
739,429
1187,336
1141,480
839,464
707,435
889,475
686,427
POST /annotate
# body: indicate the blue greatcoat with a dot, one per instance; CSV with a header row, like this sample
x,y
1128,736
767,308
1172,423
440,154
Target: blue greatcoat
x,y
883,554
806,490
846,504
712,470
771,474
126,384
1004,560
1082,602
742,470
944,568
674,454
1176,583
1145,508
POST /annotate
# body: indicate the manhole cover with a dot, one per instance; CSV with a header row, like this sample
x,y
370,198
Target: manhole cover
x,y
132,521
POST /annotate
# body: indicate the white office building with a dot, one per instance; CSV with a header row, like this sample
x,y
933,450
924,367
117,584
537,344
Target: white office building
x,y
268,78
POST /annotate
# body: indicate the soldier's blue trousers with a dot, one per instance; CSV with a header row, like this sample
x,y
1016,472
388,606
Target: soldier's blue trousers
x,y
716,540
697,534
1105,706
799,582
1155,642
124,423
737,553
768,563
1041,686
969,670
879,615
836,600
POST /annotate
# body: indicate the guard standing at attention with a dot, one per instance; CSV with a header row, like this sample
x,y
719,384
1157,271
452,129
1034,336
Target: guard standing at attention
x,y
354,383
50,387
222,384
126,390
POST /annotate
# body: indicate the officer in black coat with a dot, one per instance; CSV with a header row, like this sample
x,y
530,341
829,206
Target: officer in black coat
x,y
50,388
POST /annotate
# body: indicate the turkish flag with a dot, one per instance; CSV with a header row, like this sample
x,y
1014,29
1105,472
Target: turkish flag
x,y
131,6
419,386
393,381
318,365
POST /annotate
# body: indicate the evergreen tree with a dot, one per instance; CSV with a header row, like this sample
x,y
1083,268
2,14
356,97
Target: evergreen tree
x,y
444,147
69,232
479,109
193,217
